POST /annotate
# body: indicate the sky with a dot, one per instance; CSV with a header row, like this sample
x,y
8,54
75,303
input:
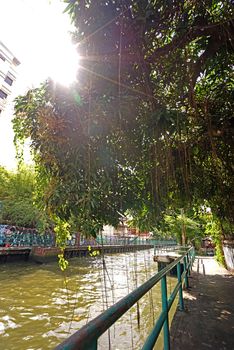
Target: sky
x,y
37,32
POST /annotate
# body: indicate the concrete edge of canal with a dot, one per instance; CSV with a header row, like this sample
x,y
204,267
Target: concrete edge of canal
x,y
49,254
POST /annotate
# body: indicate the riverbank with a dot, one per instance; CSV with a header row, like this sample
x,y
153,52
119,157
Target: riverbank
x,y
208,319
49,254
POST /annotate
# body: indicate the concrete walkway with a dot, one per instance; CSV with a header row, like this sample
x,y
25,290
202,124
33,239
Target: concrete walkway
x,y
208,319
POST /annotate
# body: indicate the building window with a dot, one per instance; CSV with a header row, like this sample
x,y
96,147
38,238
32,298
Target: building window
x,y
8,80
3,94
2,57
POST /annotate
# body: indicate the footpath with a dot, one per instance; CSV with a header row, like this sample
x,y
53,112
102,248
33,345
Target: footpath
x,y
208,319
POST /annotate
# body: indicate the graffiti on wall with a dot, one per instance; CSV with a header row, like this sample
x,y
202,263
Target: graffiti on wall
x,y
13,236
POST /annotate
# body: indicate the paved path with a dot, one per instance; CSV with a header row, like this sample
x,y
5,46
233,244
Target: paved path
x,y
208,320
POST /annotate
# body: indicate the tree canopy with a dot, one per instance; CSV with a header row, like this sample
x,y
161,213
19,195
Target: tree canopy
x,y
148,125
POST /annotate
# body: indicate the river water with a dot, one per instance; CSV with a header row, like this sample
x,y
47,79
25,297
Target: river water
x,y
40,305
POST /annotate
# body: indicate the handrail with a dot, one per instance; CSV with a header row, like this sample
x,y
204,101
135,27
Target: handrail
x,y
86,338
126,240
159,248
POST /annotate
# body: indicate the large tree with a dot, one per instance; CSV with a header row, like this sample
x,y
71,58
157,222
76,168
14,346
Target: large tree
x,y
148,125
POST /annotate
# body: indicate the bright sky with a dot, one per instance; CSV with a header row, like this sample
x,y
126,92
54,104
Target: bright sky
x,y
36,31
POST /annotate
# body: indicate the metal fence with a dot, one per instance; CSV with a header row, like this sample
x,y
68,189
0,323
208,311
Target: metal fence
x,y
87,336
13,236
126,240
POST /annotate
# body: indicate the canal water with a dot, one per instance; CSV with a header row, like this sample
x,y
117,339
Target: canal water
x,y
40,305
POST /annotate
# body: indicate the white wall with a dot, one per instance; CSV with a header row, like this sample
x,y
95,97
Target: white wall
x,y
228,250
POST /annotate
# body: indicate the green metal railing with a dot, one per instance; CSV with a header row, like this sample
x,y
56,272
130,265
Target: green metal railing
x,y
171,247
87,337
125,240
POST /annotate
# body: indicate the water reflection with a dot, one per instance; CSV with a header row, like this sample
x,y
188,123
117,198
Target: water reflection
x,y
40,305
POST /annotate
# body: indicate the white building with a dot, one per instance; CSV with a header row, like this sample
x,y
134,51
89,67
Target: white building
x,y
121,230
8,65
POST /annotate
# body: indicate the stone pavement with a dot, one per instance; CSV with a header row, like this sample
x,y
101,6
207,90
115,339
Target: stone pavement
x,y
208,319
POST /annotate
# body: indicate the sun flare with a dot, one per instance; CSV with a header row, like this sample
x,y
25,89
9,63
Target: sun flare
x,y
63,64
41,40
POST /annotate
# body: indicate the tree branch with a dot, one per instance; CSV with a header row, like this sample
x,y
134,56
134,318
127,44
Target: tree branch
x,y
213,30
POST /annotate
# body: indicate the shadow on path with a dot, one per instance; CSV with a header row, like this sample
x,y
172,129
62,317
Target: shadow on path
x,y
208,319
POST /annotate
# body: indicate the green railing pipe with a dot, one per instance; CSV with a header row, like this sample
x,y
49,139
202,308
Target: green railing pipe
x,y
181,300
186,275
86,338
151,340
166,334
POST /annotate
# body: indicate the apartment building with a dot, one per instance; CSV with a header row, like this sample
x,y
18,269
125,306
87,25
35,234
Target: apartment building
x,y
8,69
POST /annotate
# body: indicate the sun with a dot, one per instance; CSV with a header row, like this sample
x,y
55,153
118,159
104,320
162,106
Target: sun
x,y
51,48
63,63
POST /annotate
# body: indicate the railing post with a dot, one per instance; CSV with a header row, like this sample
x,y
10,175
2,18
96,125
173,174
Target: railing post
x,y
193,255
189,264
186,273
166,334
181,300
93,345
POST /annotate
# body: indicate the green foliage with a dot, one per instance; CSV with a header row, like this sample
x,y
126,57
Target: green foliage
x,y
62,230
213,229
63,263
93,252
17,198
148,126
177,222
